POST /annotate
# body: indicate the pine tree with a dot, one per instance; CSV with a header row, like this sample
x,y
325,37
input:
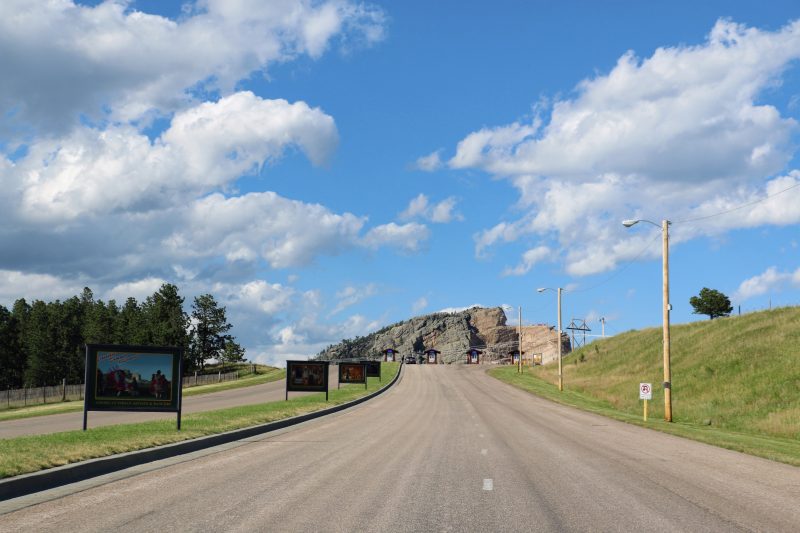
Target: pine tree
x,y
209,329
167,322
12,362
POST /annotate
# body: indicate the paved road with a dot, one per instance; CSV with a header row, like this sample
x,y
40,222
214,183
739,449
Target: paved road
x,y
267,392
448,449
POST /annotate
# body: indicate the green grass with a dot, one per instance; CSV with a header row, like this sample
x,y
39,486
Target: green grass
x,y
30,454
265,374
735,381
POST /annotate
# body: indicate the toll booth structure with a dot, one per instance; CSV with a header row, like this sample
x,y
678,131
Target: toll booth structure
x,y
432,356
390,355
515,355
473,356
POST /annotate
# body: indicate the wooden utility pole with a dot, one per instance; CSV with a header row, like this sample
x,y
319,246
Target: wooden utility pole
x,y
560,375
667,378
519,341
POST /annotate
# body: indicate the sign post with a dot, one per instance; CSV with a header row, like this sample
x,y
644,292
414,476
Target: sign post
x,y
133,378
307,376
645,393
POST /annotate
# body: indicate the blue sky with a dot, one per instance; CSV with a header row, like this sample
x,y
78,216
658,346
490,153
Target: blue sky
x,y
327,168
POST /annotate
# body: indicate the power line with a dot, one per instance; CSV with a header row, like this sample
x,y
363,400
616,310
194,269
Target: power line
x,y
621,270
740,206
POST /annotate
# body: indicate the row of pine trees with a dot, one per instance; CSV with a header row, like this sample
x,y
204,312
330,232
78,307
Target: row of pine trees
x,y
42,343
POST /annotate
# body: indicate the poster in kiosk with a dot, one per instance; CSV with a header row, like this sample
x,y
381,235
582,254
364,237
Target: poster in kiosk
x,y
133,378
389,355
474,356
352,373
373,369
307,376
432,356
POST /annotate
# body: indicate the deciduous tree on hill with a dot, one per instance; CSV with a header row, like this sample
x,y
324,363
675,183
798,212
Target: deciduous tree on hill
x,y
711,302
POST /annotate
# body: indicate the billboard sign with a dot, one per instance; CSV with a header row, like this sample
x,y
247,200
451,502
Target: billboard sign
x,y
352,373
132,378
307,376
373,368
389,355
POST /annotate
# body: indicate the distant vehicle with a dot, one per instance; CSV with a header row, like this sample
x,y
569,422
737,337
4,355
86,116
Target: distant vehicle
x,y
411,360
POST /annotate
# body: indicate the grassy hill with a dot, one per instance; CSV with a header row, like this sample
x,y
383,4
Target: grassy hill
x,y
738,373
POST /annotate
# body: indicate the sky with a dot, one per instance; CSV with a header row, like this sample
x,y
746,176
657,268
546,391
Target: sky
x,y
326,168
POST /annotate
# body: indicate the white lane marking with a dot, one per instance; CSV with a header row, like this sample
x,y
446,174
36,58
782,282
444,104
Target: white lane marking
x,y
488,484
484,451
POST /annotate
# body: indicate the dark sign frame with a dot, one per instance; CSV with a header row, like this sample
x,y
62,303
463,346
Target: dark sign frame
x,y
114,379
373,369
346,377
474,354
292,368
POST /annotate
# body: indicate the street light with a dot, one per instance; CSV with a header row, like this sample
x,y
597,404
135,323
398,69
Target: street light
x,y
667,308
560,376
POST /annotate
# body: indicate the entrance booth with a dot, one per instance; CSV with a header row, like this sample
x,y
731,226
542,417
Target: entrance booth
x,y
515,355
389,355
473,356
432,356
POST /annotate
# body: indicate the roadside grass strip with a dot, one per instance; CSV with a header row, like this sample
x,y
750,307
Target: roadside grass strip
x,y
33,453
271,374
776,448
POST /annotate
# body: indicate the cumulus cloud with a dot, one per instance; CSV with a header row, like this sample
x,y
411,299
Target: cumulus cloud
x,y
205,148
442,212
408,237
529,260
769,281
113,61
36,286
678,135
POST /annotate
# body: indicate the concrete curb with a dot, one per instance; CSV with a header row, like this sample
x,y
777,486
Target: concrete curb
x,y
63,475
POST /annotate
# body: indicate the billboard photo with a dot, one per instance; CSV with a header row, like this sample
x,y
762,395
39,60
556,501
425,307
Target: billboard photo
x,y
132,378
352,373
307,376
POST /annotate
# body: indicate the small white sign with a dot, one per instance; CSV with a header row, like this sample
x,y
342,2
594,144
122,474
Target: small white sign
x,y
645,391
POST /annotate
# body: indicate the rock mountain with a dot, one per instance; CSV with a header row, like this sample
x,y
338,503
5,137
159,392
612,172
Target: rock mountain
x,y
453,334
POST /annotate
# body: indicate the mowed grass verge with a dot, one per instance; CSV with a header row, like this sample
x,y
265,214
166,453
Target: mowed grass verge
x,y
266,374
30,454
735,381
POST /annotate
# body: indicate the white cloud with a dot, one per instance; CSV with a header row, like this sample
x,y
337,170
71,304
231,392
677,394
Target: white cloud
x,y
529,260
349,296
419,304
112,61
139,289
442,213
769,281
408,237
264,225
205,148
430,162
15,284
678,135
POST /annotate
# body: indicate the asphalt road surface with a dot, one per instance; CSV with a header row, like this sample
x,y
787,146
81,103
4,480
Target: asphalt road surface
x,y
447,449
267,392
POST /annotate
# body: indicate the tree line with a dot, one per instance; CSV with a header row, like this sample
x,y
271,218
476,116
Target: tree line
x,y
42,343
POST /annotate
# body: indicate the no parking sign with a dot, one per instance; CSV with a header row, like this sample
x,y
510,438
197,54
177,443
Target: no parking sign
x,y
645,391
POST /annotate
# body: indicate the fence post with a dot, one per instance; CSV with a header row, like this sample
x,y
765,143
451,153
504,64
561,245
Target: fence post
x,y
25,396
219,376
8,398
64,390
44,393
195,378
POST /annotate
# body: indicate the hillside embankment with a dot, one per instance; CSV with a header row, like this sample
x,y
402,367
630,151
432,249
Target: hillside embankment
x,y
737,375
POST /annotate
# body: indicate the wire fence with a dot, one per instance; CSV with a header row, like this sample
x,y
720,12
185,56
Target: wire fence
x,y
64,392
